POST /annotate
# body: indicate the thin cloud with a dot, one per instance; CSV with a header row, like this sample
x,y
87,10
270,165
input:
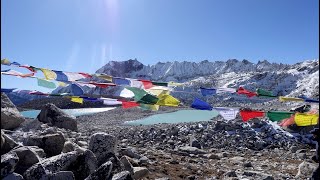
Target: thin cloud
x,y
103,59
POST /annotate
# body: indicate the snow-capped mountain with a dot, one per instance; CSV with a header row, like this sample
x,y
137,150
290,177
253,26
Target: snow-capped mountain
x,y
281,79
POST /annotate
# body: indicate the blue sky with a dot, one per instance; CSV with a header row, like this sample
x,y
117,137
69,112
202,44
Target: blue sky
x,y
83,35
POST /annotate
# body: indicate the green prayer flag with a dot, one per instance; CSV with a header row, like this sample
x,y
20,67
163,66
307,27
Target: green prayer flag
x,y
148,99
160,83
138,93
47,84
278,115
262,92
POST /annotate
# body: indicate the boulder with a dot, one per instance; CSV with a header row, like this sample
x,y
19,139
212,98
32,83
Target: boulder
x,y
85,165
131,152
191,150
51,165
127,165
71,146
195,143
139,172
27,157
13,176
124,175
10,116
54,116
306,169
102,144
40,152
103,172
61,175
9,162
52,144
8,143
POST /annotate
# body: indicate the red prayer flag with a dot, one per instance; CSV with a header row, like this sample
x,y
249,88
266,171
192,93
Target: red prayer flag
x,y
147,84
247,114
129,104
86,75
241,90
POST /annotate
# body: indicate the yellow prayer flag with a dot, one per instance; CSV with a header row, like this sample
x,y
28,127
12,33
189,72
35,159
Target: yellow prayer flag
x,y
48,74
157,92
282,99
306,119
5,62
77,100
174,84
105,77
167,100
62,84
151,107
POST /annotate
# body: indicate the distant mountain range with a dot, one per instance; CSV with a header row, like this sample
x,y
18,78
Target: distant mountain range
x,y
281,79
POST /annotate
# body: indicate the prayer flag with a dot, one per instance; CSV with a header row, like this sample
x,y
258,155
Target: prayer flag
x,y
309,99
262,92
167,100
76,90
47,84
105,77
120,81
223,90
129,104
287,122
77,100
278,115
246,115
148,99
146,84
7,90
160,83
304,119
138,93
72,76
282,99
227,113
48,74
152,107
135,83
109,101
60,76
199,104
207,91
241,90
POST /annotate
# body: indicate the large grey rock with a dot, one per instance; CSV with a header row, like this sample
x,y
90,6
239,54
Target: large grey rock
x,y
127,165
8,143
54,116
139,172
191,150
10,116
40,152
13,176
195,143
61,175
27,157
51,165
103,172
102,144
306,169
124,175
9,162
52,144
85,165
130,152
71,146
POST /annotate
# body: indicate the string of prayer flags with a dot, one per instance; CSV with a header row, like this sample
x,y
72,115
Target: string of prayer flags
x,y
306,119
241,90
74,76
227,113
207,91
77,100
152,107
246,115
6,90
202,105
308,99
47,84
129,104
283,99
278,115
16,73
8,63
146,84
265,93
167,100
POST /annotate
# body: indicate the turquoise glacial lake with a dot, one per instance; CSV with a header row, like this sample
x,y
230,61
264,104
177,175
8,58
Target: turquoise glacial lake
x,y
176,117
75,112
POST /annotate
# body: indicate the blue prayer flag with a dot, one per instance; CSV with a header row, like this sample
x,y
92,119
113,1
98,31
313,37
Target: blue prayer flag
x,y
76,90
208,92
309,99
120,81
199,104
61,76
